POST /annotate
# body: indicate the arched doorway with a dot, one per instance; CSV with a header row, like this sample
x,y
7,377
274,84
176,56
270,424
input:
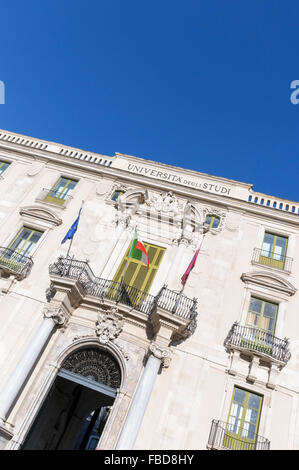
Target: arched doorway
x,y
78,404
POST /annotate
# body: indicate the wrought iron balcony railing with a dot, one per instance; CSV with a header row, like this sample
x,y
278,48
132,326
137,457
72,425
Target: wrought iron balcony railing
x,y
232,437
80,271
15,263
271,259
54,196
260,341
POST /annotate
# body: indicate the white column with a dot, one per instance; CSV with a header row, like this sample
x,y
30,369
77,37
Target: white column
x,y
18,377
142,395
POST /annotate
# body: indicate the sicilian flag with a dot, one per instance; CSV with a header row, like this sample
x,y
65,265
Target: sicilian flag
x,y
71,232
189,269
138,250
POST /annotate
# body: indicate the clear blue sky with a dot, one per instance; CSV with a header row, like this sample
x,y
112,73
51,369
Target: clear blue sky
x,y
200,84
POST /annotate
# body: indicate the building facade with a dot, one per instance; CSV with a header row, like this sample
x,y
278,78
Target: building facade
x,y
99,350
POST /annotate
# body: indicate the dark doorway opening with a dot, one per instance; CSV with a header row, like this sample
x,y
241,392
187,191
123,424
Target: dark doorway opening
x,y
72,417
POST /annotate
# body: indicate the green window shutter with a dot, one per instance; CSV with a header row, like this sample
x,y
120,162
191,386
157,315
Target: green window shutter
x,y
25,241
261,320
137,275
243,420
273,250
61,191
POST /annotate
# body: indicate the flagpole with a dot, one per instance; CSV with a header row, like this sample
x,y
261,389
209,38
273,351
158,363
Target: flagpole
x,y
182,289
204,233
70,245
125,270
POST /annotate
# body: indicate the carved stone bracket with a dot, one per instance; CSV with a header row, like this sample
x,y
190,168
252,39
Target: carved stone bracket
x,y
57,315
164,354
109,325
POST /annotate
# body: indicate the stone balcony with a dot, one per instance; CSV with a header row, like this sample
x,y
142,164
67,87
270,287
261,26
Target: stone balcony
x,y
258,347
14,264
224,436
168,307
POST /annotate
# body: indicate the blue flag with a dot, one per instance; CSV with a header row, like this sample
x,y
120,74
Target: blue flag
x,y
73,229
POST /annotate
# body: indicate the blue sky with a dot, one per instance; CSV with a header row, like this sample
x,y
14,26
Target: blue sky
x,y
200,84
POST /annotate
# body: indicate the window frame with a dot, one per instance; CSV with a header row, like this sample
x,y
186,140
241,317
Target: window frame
x,y
243,439
4,162
213,218
279,263
59,201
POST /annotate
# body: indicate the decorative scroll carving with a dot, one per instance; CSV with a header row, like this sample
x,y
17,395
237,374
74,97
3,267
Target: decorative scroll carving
x,y
57,315
50,292
94,364
160,353
109,325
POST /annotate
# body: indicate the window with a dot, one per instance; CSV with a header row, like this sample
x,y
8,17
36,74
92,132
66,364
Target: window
x,y
15,258
61,191
243,420
3,167
25,241
262,315
273,250
212,221
116,195
260,323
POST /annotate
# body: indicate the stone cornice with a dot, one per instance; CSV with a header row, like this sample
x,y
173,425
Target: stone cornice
x,y
111,172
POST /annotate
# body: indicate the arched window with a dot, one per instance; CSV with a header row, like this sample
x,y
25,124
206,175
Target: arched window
x,y
94,364
212,221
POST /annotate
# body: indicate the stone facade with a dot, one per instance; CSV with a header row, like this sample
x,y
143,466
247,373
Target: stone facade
x,y
189,357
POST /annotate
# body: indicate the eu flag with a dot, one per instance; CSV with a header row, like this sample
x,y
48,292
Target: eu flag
x,y
73,229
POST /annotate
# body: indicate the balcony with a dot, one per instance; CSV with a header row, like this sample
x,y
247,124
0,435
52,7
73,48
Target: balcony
x,y
262,257
14,263
224,436
260,342
54,197
169,303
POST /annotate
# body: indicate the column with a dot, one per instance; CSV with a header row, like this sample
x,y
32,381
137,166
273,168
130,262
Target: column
x,y
157,356
15,382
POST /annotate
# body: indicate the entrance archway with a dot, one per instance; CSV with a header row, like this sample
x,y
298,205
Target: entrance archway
x,y
77,406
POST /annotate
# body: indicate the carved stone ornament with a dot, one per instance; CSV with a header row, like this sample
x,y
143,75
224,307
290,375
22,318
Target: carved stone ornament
x,y
109,325
216,212
166,202
160,353
57,315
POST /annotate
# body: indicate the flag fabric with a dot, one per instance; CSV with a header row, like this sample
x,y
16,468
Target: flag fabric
x,y
138,250
73,229
190,267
